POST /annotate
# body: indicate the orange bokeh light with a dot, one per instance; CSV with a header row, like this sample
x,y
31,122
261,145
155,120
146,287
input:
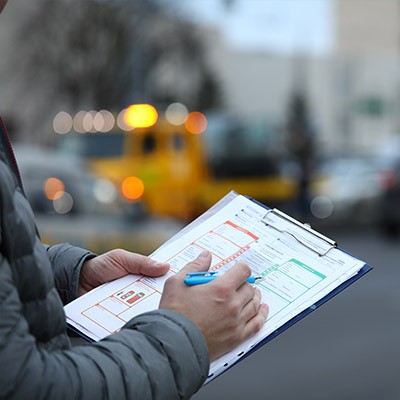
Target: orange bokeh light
x,y
132,187
53,188
196,122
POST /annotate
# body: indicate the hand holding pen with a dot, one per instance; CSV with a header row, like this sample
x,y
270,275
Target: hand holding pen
x,y
227,312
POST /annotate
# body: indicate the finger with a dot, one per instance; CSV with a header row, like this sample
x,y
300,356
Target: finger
x,y
251,308
199,264
256,323
139,264
245,294
237,275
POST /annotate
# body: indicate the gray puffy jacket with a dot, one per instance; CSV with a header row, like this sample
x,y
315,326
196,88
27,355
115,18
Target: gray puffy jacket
x,y
158,355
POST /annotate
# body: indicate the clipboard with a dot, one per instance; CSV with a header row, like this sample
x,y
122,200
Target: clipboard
x,y
366,268
242,221
333,244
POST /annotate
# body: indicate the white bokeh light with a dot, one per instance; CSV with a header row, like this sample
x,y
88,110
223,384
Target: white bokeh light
x,y
63,204
321,207
104,191
176,114
62,123
103,121
78,121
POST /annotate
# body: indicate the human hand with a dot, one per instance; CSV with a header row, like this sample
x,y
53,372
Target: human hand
x,y
227,310
115,264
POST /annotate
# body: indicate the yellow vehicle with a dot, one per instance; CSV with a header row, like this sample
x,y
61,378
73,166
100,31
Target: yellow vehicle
x,y
180,174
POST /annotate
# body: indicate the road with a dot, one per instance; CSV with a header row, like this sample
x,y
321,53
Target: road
x,y
348,349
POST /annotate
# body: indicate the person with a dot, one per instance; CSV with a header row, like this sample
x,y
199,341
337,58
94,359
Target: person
x,y
162,354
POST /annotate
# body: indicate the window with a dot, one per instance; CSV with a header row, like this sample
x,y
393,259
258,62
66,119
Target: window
x,y
149,143
177,142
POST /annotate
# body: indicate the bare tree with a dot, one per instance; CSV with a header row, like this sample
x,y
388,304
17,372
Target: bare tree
x,y
77,48
179,69
86,54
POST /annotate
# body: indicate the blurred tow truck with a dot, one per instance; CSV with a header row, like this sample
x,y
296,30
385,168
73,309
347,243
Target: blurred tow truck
x,y
180,170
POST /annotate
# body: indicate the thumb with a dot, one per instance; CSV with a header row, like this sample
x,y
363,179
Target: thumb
x,y
139,264
201,263
152,268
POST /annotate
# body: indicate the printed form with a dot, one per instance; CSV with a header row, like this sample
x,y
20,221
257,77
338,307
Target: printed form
x,y
297,267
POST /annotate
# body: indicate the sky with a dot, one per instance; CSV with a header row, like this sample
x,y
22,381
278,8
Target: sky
x,y
280,25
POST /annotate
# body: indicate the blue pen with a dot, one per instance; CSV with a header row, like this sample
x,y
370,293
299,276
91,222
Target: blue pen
x,y
199,278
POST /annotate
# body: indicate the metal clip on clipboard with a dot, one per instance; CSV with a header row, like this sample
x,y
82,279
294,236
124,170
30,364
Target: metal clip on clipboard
x,y
282,215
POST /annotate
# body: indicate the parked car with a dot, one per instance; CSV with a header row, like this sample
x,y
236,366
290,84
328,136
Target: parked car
x,y
348,189
71,205
389,204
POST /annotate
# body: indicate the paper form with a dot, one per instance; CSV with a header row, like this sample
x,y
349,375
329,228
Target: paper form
x,y
294,276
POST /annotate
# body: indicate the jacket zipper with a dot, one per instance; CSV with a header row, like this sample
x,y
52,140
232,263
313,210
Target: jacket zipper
x,y
10,151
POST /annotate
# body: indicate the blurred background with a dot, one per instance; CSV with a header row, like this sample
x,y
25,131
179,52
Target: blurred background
x,y
131,118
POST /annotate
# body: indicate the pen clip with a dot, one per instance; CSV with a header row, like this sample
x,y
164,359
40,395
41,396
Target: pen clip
x,y
205,273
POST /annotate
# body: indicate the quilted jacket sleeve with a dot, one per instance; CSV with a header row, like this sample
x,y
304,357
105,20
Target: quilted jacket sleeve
x,y
67,261
158,355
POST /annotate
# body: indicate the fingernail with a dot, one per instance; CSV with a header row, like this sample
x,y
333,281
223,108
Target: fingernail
x,y
160,264
204,254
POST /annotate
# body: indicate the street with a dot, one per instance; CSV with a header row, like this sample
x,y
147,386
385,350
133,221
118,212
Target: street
x,y
349,348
